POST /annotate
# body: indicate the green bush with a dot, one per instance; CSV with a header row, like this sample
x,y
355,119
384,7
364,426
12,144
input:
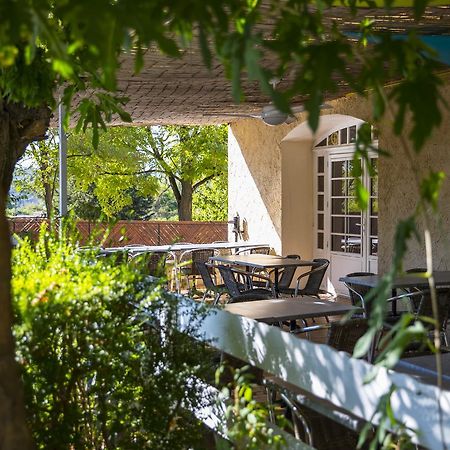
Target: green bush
x,y
97,374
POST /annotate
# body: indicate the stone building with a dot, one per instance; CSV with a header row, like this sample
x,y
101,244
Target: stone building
x,y
293,189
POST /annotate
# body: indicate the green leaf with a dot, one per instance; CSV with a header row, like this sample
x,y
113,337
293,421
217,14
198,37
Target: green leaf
x,y
248,394
362,195
204,47
8,55
430,188
63,67
168,46
419,8
378,105
363,345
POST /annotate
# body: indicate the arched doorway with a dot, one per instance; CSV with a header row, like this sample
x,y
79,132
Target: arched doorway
x,y
340,231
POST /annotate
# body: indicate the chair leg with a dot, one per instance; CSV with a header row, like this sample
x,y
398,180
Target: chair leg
x,y
176,275
205,295
217,297
444,338
298,420
271,397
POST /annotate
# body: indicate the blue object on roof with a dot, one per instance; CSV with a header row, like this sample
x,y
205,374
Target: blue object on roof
x,y
439,43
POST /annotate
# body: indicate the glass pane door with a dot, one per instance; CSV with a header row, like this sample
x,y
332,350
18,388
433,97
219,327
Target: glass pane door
x,y
346,218
320,203
373,211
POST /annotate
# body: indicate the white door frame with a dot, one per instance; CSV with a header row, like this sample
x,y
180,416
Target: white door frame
x,y
366,262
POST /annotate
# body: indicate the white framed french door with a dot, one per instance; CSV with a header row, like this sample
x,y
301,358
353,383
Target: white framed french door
x,y
344,234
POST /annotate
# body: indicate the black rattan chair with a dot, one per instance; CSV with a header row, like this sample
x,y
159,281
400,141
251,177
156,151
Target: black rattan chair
x,y
425,311
415,300
154,263
313,282
285,277
358,293
211,287
315,278
189,269
424,314
308,425
358,296
239,285
263,250
343,336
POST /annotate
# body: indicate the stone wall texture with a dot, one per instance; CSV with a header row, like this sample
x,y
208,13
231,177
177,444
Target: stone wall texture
x,y
399,194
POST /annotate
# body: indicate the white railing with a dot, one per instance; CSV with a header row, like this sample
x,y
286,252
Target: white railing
x,y
321,372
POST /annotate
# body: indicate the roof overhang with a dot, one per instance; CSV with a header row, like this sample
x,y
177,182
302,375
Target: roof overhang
x,y
183,91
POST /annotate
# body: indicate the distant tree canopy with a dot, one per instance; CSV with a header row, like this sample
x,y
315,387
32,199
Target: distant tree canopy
x,y
36,176
134,173
139,162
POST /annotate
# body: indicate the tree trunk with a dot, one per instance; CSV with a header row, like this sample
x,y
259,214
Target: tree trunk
x,y
48,195
185,202
18,127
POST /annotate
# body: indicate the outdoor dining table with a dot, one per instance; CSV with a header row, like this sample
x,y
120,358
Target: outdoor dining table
x,y
441,279
296,308
183,247
259,261
177,250
409,281
424,368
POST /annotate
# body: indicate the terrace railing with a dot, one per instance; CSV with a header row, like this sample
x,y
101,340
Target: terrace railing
x,y
318,372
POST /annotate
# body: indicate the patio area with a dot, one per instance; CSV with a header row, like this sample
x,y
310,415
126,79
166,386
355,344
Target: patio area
x,y
274,325
321,294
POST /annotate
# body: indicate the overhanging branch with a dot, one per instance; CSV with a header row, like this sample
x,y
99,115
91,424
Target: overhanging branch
x,y
205,180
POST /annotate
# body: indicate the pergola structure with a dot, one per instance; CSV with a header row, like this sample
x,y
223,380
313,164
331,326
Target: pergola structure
x,y
183,91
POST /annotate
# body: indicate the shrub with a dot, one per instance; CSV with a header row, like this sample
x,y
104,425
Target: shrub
x,y
96,373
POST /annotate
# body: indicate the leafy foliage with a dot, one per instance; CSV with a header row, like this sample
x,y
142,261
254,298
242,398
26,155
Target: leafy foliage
x,y
46,44
36,174
247,420
139,162
112,170
64,43
210,201
384,438
97,372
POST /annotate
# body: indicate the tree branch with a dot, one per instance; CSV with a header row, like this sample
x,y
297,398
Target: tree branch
x,y
174,186
205,180
140,172
80,155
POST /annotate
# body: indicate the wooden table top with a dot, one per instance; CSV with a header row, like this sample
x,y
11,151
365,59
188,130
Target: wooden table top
x,y
262,261
277,310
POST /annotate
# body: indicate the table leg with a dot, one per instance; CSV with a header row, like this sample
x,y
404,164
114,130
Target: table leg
x,y
275,283
394,302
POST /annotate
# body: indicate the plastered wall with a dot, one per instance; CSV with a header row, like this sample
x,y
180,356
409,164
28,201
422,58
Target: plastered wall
x,y
273,190
254,172
297,199
399,195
